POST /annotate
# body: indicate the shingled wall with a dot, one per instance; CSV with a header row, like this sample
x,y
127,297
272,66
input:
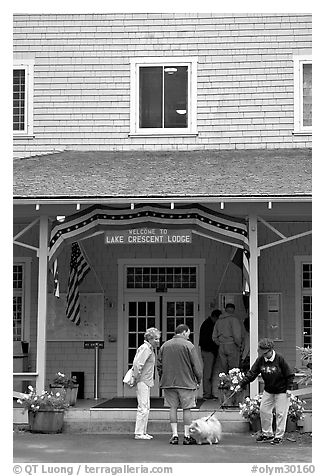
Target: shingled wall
x,y
245,90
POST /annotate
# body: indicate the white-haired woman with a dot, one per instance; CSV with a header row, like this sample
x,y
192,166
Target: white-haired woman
x,y
144,368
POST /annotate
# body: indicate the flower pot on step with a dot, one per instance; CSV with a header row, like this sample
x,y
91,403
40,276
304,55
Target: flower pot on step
x,y
46,421
227,400
255,424
70,393
291,425
307,421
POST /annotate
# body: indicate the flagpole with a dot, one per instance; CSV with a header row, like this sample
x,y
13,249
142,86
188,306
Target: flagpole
x,y
86,256
226,268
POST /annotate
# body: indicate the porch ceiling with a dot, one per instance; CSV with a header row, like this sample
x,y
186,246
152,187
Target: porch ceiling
x,y
134,174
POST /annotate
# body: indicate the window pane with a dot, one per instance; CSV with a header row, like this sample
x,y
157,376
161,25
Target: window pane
x,y
307,275
150,96
307,95
175,96
18,99
17,318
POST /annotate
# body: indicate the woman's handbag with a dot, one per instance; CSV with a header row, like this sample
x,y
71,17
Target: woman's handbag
x,y
129,378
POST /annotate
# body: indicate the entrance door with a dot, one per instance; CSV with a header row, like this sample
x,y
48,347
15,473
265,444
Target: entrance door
x,y
141,312
179,310
161,311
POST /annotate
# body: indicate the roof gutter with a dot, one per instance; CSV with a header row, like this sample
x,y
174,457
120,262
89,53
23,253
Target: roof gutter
x,y
156,199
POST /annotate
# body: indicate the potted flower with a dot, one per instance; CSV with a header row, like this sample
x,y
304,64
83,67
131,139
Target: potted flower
x,y
227,384
306,372
45,411
250,410
67,386
295,412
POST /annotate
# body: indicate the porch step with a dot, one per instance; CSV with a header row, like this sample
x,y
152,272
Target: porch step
x,y
122,420
154,426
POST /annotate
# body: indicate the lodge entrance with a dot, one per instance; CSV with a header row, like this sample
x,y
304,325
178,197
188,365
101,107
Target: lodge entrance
x,y
163,312
162,297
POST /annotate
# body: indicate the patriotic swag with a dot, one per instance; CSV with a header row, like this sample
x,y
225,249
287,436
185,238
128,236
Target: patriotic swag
x,y
202,221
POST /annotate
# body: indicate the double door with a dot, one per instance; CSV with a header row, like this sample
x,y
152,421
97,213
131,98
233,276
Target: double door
x,y
165,312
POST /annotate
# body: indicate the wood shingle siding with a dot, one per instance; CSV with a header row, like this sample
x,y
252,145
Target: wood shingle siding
x,y
245,85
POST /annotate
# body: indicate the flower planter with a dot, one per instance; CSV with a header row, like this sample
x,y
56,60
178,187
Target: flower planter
x,y
229,402
70,393
255,424
46,421
306,422
291,425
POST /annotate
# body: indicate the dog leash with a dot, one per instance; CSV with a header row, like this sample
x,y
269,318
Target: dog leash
x,y
217,409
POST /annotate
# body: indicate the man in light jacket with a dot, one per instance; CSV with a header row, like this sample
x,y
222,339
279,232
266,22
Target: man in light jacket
x,y
180,372
227,334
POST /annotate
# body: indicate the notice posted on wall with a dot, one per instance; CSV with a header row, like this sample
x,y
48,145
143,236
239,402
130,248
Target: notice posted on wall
x,y
91,327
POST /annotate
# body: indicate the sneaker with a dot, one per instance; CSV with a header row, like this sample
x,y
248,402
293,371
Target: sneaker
x,y
276,441
142,437
189,440
174,440
264,439
150,436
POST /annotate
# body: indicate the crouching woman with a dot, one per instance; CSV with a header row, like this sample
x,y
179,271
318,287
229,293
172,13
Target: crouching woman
x,y
143,369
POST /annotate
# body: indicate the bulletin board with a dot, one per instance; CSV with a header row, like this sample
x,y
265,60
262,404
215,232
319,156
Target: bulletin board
x,y
91,327
269,312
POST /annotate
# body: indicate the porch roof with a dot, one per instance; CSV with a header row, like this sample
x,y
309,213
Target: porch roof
x,y
205,173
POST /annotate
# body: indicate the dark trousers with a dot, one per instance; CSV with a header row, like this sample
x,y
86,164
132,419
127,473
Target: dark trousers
x,y
208,366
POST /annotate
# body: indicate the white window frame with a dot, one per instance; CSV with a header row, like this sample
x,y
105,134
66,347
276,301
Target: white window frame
x,y
191,63
26,262
298,62
28,66
299,261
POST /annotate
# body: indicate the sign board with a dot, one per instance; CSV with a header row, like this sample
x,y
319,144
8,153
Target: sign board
x,y
149,236
91,328
93,344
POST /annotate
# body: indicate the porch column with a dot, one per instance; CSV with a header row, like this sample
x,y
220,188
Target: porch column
x,y
253,297
42,303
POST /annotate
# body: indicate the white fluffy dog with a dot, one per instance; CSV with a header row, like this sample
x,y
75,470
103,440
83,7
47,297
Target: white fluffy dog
x,y
206,430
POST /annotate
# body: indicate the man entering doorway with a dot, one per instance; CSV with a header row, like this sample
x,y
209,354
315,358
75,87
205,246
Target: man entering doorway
x,y
209,352
227,333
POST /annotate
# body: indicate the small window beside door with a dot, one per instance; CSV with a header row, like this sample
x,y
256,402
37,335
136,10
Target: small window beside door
x,y
306,291
18,302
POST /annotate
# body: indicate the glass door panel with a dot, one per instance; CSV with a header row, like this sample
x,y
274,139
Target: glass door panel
x,y
179,310
140,314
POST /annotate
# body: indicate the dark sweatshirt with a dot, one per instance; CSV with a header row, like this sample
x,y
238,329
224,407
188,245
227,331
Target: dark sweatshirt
x,y
205,341
277,375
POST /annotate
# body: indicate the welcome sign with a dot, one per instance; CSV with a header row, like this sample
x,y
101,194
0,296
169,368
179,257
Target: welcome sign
x,y
148,236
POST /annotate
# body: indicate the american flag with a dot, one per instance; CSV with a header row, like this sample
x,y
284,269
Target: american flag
x,y
79,267
241,259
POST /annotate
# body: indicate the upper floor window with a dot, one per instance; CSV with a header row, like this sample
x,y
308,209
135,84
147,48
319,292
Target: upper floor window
x,y
163,96
23,79
302,94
